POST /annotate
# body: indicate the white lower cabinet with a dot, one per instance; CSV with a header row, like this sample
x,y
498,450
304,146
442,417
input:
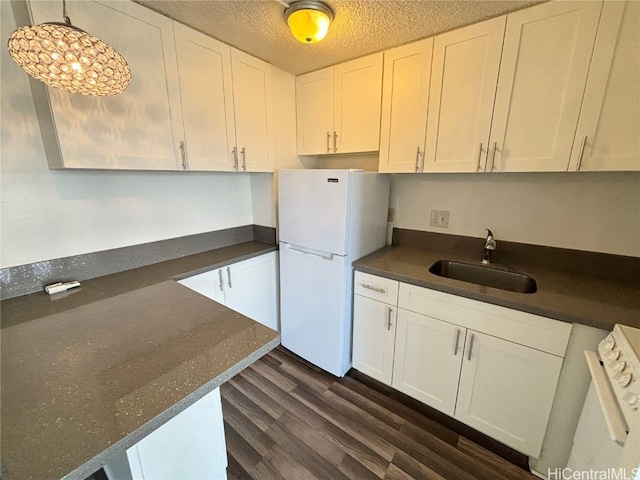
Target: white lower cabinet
x,y
190,446
249,287
427,360
374,325
493,368
374,331
506,391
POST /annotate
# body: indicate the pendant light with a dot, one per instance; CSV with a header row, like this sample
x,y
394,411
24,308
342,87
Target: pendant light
x,y
63,56
309,20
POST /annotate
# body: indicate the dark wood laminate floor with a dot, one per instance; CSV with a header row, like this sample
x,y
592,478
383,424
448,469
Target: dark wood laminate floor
x,y
286,419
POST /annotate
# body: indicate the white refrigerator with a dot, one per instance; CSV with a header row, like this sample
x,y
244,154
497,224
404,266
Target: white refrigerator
x,y
327,220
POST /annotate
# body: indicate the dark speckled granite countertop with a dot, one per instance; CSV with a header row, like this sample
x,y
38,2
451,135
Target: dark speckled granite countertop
x,y
88,373
582,294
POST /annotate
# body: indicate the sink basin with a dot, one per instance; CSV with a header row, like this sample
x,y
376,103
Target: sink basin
x,y
485,275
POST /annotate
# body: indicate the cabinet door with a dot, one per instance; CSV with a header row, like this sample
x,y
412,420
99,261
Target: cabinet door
x,y
138,129
314,108
252,97
190,446
207,100
545,61
427,359
506,391
251,288
407,72
357,104
463,87
374,332
607,136
208,284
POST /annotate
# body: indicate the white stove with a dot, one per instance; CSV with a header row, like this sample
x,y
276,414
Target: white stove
x,y
619,353
607,440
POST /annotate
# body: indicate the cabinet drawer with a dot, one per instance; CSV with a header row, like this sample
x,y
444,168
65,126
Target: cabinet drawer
x,y
377,288
537,332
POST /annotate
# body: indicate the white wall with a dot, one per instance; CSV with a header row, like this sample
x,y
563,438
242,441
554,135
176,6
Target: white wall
x,y
597,212
46,214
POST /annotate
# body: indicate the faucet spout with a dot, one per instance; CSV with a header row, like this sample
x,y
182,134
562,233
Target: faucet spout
x,y
489,247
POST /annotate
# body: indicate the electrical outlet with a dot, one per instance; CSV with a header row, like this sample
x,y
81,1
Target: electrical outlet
x,y
391,215
439,218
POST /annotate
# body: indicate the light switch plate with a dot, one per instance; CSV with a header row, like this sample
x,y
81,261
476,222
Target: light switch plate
x,y
439,218
391,215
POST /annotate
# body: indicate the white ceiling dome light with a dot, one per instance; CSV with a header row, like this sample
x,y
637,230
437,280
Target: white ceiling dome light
x,y
309,20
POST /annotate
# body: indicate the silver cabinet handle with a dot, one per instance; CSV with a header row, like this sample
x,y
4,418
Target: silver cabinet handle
x,y
389,312
418,160
335,141
229,277
375,289
183,154
221,285
471,345
243,152
456,342
328,142
235,158
584,142
479,157
493,156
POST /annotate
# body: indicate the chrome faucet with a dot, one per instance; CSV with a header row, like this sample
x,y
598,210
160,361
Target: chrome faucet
x,y
489,247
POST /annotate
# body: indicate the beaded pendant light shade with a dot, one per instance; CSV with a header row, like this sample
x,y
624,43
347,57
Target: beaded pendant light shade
x,y
63,56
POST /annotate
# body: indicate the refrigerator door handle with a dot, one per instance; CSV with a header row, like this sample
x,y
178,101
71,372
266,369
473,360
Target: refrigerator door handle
x,y
328,256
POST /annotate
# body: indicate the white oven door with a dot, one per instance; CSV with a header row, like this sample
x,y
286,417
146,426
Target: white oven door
x,y
601,432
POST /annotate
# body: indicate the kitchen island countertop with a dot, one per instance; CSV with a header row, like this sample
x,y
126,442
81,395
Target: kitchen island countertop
x,y
88,373
561,294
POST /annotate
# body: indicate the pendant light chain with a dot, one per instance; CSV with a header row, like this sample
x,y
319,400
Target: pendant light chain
x,y
67,20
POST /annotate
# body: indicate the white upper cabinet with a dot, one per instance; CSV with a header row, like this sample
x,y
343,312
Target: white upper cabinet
x,y
407,72
207,100
608,134
193,102
314,105
253,113
545,62
358,94
338,108
463,85
138,129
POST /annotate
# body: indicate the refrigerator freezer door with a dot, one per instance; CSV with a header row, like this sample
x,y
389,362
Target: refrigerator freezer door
x,y
313,307
313,208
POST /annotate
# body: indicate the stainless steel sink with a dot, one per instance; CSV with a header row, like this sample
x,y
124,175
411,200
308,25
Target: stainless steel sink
x,y
483,275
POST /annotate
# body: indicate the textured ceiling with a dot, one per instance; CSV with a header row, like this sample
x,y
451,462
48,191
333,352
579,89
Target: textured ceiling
x,y
360,27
